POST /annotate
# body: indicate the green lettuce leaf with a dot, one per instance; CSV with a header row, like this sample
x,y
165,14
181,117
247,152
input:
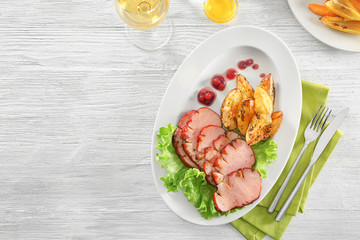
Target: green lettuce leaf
x,y
192,181
175,167
199,192
265,153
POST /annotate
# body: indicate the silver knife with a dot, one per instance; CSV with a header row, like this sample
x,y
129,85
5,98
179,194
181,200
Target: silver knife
x,y
320,146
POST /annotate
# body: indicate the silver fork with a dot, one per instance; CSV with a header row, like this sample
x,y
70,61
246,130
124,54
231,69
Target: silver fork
x,y
312,132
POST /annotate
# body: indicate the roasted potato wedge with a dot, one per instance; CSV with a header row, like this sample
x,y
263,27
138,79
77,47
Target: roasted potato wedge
x,y
259,128
276,118
340,24
267,83
244,86
230,108
344,9
245,114
263,101
356,4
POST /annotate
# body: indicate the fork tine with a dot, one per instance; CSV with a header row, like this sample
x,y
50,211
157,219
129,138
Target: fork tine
x,y
326,118
317,119
312,120
321,120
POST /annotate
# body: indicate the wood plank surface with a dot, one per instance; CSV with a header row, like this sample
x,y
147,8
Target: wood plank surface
x,y
78,104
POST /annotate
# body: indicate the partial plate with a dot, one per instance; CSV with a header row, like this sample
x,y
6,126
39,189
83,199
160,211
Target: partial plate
x,y
215,55
311,22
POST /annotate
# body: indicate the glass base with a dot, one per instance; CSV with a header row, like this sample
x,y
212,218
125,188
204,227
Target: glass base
x,y
153,38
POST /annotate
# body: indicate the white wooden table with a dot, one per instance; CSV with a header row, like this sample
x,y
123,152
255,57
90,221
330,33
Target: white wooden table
x,y
77,107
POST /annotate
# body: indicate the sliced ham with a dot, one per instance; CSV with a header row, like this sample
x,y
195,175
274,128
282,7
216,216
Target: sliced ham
x,y
178,141
211,154
231,135
198,120
202,143
223,140
207,135
210,180
234,156
220,142
237,189
218,177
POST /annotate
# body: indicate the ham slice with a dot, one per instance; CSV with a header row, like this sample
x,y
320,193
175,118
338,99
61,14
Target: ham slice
x,y
207,135
178,141
234,156
211,154
202,143
237,189
223,140
197,121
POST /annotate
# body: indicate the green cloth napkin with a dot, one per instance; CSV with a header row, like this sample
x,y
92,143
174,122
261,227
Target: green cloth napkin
x,y
258,222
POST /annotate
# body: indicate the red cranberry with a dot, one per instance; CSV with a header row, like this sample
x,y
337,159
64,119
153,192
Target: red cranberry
x,y
206,96
201,97
242,65
255,66
221,86
218,82
249,62
231,73
262,75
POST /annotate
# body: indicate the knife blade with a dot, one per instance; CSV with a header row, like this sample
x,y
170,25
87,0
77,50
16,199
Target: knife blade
x,y
328,134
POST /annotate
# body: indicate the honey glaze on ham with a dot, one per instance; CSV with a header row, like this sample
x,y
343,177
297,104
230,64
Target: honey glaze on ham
x,y
225,158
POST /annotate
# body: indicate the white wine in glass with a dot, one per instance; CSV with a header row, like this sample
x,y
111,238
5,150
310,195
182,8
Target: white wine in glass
x,y
143,16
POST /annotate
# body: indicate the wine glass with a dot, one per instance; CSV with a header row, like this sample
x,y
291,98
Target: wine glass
x,y
220,11
147,26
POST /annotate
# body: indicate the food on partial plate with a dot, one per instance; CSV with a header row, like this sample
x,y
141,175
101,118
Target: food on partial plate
x,y
245,113
218,160
263,101
259,128
218,82
341,24
244,87
211,148
276,118
249,111
237,189
178,141
231,73
321,10
343,8
206,96
235,155
197,120
341,15
232,103
230,108
267,83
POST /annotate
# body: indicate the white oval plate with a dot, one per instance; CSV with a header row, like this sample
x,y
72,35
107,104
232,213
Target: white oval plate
x,y
311,22
215,55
